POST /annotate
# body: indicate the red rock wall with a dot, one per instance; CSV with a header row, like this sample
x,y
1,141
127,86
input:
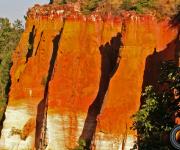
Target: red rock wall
x,y
142,35
77,71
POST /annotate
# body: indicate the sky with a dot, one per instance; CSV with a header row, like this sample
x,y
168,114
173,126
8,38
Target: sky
x,y
16,9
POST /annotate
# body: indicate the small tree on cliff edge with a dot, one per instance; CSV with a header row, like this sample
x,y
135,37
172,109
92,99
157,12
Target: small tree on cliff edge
x,y
154,119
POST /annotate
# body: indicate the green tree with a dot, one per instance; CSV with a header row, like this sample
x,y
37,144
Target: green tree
x,y
154,119
9,37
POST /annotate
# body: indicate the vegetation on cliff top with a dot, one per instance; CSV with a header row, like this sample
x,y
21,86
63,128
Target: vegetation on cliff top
x,y
156,117
9,37
88,6
158,7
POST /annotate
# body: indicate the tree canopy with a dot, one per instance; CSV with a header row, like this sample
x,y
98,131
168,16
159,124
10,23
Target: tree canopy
x,y
10,34
156,117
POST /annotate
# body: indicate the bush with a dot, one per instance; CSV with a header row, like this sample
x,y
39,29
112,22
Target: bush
x,y
82,145
139,6
89,6
154,119
127,4
15,131
63,2
158,7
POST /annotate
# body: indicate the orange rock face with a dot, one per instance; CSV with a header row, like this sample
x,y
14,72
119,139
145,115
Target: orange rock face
x,y
80,67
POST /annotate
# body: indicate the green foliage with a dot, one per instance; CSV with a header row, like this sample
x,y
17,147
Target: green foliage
x,y
154,119
126,5
63,2
25,17
82,145
170,74
9,37
89,6
139,6
157,7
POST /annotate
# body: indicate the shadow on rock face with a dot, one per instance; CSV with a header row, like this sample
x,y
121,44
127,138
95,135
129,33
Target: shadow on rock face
x,y
110,58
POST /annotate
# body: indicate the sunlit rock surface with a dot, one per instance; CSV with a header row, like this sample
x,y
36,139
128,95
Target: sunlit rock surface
x,y
77,73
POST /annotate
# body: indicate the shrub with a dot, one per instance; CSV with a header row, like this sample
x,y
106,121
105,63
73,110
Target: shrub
x,y
15,131
127,4
139,6
89,6
154,119
63,2
82,145
158,7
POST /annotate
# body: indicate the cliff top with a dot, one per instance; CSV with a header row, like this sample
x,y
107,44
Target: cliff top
x,y
160,7
73,10
104,9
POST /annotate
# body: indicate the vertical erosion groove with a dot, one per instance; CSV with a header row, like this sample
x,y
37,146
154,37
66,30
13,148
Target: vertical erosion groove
x,y
29,54
30,44
39,43
110,58
41,118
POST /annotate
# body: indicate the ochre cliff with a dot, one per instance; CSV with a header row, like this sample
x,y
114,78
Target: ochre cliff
x,y
76,76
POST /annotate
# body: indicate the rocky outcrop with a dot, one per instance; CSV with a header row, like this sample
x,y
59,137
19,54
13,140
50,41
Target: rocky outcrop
x,y
81,77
